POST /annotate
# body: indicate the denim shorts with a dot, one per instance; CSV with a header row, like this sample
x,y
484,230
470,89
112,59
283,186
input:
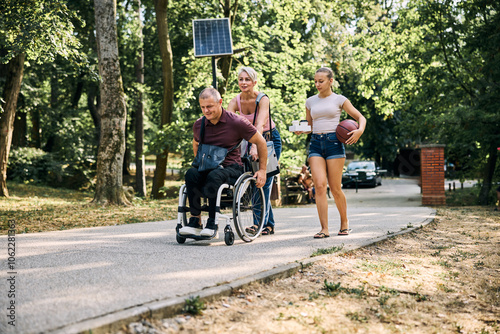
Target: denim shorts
x,y
326,146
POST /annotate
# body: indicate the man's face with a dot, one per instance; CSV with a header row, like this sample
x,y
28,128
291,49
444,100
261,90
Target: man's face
x,y
211,109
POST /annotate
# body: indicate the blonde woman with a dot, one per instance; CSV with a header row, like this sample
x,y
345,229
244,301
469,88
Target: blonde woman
x,y
244,104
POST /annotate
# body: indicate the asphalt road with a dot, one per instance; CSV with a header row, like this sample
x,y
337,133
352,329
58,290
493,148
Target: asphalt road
x,y
68,278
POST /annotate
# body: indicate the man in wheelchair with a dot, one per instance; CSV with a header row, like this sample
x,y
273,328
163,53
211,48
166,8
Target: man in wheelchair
x,y
222,129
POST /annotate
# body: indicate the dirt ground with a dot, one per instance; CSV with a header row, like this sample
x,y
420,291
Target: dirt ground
x,y
442,278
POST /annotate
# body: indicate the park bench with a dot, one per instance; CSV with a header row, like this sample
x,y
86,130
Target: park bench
x,y
294,192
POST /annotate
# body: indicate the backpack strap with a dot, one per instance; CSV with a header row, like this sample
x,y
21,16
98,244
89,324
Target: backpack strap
x,y
202,135
202,129
257,100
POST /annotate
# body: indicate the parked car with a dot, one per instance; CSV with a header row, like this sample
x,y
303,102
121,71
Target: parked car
x,y
364,173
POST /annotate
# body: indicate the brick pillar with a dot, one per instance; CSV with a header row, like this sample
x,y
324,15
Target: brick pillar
x,y
432,174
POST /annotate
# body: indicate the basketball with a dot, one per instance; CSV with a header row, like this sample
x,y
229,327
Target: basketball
x,y
344,128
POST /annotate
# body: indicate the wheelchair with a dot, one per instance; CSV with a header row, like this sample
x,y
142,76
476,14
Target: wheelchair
x,y
242,197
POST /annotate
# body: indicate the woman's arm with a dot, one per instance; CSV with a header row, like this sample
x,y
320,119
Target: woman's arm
x,y
354,113
263,114
232,106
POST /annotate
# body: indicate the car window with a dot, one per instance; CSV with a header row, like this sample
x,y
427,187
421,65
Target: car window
x,y
361,165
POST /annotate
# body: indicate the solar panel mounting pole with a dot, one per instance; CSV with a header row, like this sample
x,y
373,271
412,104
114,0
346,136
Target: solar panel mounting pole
x,y
214,73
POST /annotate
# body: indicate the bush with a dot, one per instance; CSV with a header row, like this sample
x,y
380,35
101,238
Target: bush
x,y
33,165
30,165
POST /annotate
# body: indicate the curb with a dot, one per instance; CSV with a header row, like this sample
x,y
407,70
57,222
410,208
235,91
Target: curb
x,y
113,322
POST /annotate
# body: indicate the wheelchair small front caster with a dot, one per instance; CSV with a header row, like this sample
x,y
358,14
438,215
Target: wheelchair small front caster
x,y
229,238
180,239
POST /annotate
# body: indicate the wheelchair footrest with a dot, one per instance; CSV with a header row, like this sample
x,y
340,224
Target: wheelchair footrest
x,y
195,236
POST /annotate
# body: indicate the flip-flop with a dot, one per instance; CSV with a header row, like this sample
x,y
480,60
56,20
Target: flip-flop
x,y
321,235
345,231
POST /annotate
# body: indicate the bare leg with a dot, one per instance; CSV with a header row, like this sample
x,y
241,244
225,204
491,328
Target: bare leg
x,y
318,171
335,167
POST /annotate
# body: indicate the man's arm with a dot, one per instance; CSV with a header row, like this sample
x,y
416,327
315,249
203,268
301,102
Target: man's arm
x,y
260,142
195,147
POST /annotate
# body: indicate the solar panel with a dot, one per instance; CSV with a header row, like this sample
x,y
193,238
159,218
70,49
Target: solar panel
x,y
212,37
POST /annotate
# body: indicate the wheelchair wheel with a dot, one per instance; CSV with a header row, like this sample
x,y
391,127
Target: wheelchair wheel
x,y
229,238
248,209
180,239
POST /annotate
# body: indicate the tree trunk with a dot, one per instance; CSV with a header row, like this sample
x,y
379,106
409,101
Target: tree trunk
x,y
11,93
35,128
50,145
489,170
94,105
20,130
168,90
113,111
140,177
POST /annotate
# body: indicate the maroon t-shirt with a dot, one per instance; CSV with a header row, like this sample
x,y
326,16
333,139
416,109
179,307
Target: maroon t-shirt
x,y
227,133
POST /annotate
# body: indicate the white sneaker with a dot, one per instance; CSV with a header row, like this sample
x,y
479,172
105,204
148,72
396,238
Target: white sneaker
x,y
188,230
192,228
209,229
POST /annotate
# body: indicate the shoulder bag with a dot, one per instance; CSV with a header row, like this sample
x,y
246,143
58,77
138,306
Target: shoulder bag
x,y
209,157
273,167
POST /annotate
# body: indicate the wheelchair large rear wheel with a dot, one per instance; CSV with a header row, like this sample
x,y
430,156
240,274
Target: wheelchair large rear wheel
x,y
248,209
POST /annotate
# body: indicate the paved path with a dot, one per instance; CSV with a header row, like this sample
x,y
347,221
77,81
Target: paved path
x,y
67,277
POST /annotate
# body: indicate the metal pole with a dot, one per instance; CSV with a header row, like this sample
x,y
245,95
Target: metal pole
x,y
214,74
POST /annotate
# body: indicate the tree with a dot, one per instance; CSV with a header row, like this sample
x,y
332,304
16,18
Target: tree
x,y
140,178
35,30
113,111
11,92
168,90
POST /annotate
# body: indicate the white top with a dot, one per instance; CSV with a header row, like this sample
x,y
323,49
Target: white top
x,y
325,112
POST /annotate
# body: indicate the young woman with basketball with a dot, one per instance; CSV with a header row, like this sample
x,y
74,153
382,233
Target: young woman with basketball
x,y
326,153
245,103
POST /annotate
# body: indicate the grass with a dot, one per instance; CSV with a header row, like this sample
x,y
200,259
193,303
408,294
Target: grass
x,y
331,250
41,209
468,196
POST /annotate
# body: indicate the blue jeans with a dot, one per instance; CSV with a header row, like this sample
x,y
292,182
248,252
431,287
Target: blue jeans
x,y
269,217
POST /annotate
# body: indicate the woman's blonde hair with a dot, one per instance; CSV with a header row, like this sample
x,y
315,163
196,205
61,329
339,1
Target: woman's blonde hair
x,y
250,71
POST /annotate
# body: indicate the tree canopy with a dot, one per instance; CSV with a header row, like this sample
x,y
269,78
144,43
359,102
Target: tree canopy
x,y
424,71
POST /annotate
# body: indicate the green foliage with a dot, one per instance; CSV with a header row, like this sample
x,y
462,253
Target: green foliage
x,y
40,28
420,71
32,165
467,196
332,289
28,164
331,250
194,306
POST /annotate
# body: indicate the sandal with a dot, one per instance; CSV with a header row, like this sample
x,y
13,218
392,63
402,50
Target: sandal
x,y
345,231
321,235
267,230
252,229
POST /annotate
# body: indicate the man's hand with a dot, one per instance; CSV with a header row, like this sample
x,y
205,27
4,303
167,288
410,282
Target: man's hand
x,y
260,177
261,145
